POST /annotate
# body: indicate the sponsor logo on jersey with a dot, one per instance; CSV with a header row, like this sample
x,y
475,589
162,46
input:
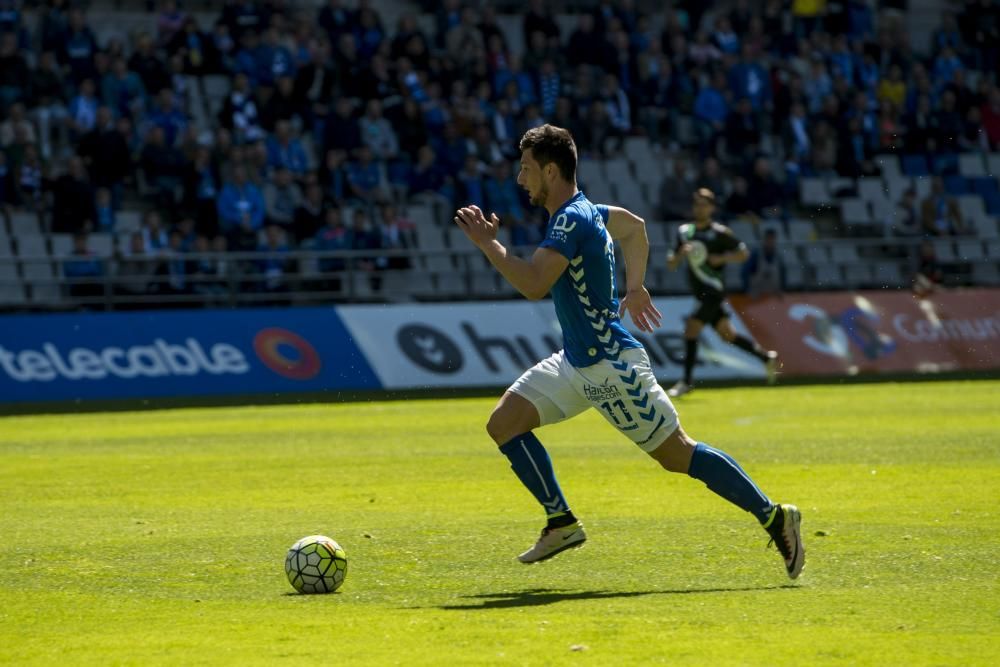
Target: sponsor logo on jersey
x,y
602,392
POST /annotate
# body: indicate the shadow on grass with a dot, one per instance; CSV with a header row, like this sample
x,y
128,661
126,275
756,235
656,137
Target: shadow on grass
x,y
543,596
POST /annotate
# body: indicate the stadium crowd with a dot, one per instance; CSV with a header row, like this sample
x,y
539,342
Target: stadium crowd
x,y
332,115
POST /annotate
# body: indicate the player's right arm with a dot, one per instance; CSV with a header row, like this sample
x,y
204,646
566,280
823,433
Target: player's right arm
x,y
532,277
680,251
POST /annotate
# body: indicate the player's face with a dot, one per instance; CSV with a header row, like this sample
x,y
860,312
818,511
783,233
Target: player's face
x,y
530,178
702,208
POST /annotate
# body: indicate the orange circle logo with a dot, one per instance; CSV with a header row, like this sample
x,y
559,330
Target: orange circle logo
x,y
287,354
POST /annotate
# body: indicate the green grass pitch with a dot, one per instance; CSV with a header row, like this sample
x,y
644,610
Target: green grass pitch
x,y
159,537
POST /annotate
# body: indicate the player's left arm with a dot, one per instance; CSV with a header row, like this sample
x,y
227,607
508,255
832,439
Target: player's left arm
x,y
533,277
736,252
630,231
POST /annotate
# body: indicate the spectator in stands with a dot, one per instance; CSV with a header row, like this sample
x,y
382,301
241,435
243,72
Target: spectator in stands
x,y
82,114
502,194
275,265
377,133
201,188
241,210
796,135
239,112
333,176
154,236
939,212
282,197
79,48
285,151
148,65
483,148
174,267
764,191
949,123
599,135
123,90
207,272
408,123
990,112
427,176
6,184
196,49
15,76
333,236
739,203
921,127
749,80
342,130
135,268
166,116
711,111
17,128
48,97
28,178
617,104
365,179
676,192
469,186
106,153
282,104
764,273
309,215
711,177
973,138
104,211
364,235
398,233
539,19
928,274
906,216
742,131
72,200
82,268
162,166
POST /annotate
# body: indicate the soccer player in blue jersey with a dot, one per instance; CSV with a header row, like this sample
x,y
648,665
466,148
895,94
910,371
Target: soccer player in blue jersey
x,y
601,366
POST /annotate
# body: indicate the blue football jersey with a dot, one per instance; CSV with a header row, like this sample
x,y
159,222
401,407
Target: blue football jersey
x,y
585,296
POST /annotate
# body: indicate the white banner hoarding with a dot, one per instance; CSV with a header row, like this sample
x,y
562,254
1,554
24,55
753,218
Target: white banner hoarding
x,y
490,344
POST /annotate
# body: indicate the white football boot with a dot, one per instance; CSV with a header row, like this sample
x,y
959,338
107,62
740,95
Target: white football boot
x,y
785,529
553,541
771,366
679,389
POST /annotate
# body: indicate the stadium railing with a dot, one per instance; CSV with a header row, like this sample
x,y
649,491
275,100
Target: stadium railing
x,y
439,275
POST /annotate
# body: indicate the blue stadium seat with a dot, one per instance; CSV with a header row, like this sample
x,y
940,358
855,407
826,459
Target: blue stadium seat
x,y
984,186
993,204
945,164
915,165
956,184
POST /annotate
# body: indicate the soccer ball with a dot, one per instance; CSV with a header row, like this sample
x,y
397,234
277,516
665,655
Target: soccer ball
x,y
316,564
698,253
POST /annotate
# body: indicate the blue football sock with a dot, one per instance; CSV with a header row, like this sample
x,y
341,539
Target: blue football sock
x,y
533,467
723,475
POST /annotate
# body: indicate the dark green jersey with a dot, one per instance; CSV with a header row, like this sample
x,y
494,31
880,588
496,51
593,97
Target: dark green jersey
x,y
707,281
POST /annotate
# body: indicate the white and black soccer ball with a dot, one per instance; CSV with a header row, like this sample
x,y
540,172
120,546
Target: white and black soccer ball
x,y
316,564
698,253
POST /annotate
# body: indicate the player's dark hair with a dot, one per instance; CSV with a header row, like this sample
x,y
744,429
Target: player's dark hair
x,y
552,145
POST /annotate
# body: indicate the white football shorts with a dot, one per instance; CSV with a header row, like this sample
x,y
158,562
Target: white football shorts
x,y
625,392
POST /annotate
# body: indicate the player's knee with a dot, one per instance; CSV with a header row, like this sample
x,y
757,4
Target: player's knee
x,y
674,453
498,429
